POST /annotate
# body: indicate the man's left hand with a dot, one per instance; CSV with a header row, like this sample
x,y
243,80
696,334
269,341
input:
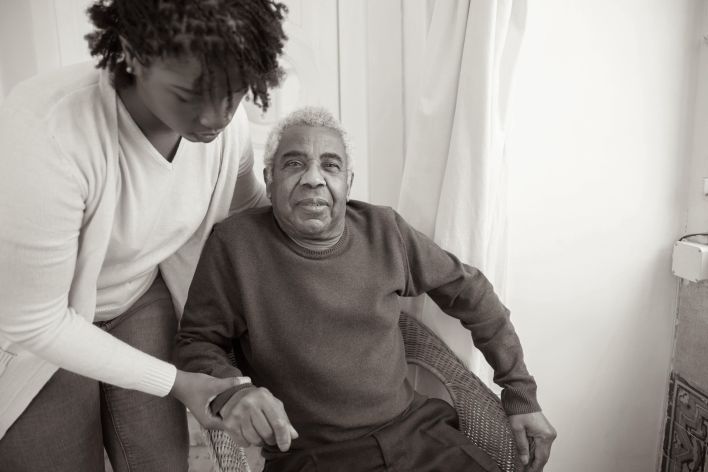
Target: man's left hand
x,y
533,428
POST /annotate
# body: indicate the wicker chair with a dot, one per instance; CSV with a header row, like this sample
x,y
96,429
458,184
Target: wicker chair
x,y
482,418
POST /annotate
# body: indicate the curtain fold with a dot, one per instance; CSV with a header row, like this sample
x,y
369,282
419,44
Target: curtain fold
x,y
454,186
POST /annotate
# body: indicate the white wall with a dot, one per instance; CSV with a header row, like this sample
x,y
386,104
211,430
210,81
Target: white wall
x,y
598,148
17,58
697,201
40,35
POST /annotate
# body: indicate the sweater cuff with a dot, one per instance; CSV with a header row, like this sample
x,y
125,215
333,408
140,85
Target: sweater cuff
x,y
520,401
218,403
158,379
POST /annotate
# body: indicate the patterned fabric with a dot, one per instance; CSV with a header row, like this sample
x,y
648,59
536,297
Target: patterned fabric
x,y
686,431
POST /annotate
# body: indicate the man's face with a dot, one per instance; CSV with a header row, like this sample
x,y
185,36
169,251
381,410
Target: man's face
x,y
173,92
310,183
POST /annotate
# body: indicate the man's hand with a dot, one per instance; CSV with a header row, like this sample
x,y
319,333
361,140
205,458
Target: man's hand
x,y
533,428
253,416
196,391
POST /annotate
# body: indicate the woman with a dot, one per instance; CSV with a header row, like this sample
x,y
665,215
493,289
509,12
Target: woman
x,y
110,181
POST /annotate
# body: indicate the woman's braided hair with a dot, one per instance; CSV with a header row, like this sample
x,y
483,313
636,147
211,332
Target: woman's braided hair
x,y
222,34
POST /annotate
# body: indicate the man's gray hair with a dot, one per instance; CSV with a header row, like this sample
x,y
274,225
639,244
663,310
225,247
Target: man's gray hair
x,y
305,116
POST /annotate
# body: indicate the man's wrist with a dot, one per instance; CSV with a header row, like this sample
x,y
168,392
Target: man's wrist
x,y
517,401
224,397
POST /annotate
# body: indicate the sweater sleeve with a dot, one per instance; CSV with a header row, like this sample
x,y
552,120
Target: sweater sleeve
x,y
210,321
463,292
42,197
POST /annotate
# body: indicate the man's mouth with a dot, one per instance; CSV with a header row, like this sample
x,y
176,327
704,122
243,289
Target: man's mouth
x,y
313,203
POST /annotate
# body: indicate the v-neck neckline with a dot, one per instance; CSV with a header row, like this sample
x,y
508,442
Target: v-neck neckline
x,y
143,140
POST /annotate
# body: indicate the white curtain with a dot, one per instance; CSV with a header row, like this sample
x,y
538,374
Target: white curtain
x,y
454,186
40,35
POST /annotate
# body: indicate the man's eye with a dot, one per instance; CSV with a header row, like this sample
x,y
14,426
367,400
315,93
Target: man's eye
x,y
332,165
292,164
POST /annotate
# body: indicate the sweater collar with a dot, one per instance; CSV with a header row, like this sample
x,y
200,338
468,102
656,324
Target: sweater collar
x,y
336,248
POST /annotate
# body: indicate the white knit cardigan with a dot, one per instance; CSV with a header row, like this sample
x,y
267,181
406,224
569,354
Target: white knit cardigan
x,y
58,189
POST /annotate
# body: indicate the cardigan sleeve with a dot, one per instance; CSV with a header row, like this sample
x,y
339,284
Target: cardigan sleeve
x,y
42,210
463,292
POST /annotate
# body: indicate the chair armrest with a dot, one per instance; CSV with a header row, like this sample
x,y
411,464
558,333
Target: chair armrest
x,y
481,416
225,455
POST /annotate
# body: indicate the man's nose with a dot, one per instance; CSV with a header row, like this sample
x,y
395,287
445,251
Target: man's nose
x,y
312,176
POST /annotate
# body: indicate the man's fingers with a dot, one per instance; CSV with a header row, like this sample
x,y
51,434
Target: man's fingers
x,y
237,436
522,444
282,433
280,424
534,428
262,427
250,434
260,419
541,453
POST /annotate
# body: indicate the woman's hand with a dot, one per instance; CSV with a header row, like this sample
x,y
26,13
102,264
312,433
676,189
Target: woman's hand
x,y
196,391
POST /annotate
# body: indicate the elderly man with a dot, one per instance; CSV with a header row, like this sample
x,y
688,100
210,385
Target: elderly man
x,y
307,293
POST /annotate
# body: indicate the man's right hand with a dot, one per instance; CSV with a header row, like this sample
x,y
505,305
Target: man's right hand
x,y
254,417
196,391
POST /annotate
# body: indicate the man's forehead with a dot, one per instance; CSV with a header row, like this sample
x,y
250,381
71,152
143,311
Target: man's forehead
x,y
305,135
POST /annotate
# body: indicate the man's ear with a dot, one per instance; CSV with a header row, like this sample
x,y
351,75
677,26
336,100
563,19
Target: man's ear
x,y
268,177
349,187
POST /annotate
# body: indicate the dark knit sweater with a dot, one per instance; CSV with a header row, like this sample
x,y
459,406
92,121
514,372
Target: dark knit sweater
x,y
319,329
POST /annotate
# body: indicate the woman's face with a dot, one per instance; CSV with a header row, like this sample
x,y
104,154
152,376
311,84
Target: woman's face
x,y
171,89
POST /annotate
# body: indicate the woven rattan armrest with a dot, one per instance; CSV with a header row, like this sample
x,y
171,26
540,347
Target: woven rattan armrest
x,y
480,412
225,455
481,416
